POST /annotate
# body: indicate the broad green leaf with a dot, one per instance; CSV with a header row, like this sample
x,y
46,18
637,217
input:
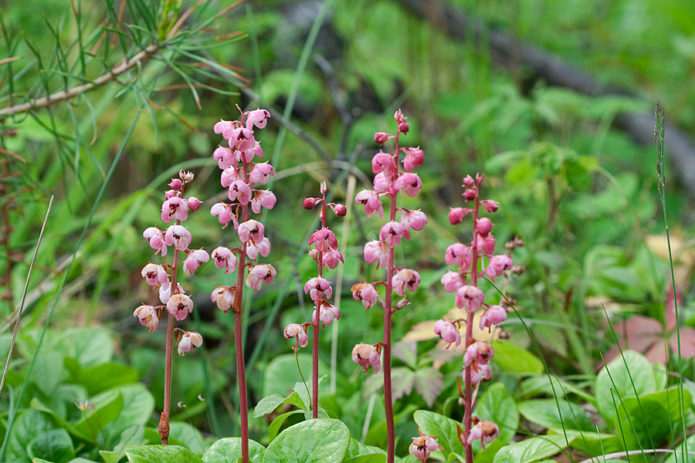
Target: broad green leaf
x,y
54,445
161,454
138,405
678,456
434,424
488,455
651,417
322,440
187,435
134,435
428,383
622,382
497,405
104,376
27,426
372,458
281,374
545,413
228,450
102,409
534,449
513,359
268,405
48,371
91,346
595,444
277,423
540,385
357,448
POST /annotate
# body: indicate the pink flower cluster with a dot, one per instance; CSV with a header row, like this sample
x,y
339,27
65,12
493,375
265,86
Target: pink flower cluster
x,y
163,278
422,446
326,254
394,175
241,175
468,260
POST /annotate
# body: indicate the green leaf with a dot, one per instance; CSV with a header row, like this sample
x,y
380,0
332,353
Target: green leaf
x,y
281,374
55,446
534,449
90,346
513,359
357,448
104,376
48,371
277,423
497,405
616,379
268,405
372,458
322,440
545,413
100,411
161,454
434,424
488,455
651,417
28,425
428,383
187,435
138,405
228,450
597,444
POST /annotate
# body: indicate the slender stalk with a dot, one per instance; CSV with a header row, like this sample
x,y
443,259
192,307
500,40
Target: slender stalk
x,y
317,322
468,392
238,341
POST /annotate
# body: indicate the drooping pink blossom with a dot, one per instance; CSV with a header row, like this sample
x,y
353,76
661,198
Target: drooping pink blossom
x,y
174,208
414,157
154,274
382,137
383,162
490,205
405,279
392,233
331,258
456,214
498,264
254,249
180,305
370,200
452,281
458,254
179,236
261,173
251,230
485,244
366,355
165,291
296,330
478,352
224,157
447,331
193,203
189,341
156,239
240,191
262,198
193,261
483,430
422,446
479,372
224,297
415,219
408,183
376,251
224,258
263,273
469,298
383,183
324,240
328,314
483,226
493,315
147,315
318,288
257,118
231,175
366,293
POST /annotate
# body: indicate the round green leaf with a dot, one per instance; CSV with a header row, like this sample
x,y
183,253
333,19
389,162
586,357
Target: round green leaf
x,y
55,446
534,449
228,450
321,440
545,413
161,454
622,377
434,424
497,405
513,359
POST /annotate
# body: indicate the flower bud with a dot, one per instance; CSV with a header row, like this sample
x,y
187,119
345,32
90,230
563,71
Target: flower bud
x,y
468,181
490,205
186,176
175,184
193,203
456,214
309,203
340,210
469,195
381,137
483,226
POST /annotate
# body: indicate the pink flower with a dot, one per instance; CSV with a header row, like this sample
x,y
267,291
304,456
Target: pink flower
x,y
493,315
383,162
224,297
478,373
448,332
251,229
175,184
259,118
409,183
156,238
479,352
237,136
239,191
381,137
328,314
230,175
391,233
498,264
370,200
189,341
165,291
224,214
223,126
193,203
262,198
296,330
383,183
324,240
366,293
376,251
224,157
174,208
469,297
180,305
317,288
422,446
261,173
155,275
413,158
490,205
456,214
458,254
486,431
258,274
170,194
470,195
485,244
224,258
452,281
147,315
468,182
415,219
483,226
339,209
193,261
366,355
331,258
405,279
178,236
249,150
262,248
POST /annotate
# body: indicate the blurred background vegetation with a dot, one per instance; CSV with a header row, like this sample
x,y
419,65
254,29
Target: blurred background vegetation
x,y
578,190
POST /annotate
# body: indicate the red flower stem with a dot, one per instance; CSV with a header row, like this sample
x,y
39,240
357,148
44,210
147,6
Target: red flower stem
x,y
388,398
238,341
468,393
315,344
